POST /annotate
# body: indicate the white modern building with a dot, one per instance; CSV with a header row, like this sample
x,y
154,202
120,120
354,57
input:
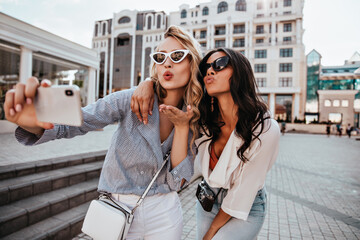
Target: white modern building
x,y
269,33
26,51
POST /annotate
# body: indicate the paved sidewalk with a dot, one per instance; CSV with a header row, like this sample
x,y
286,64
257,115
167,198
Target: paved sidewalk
x,y
314,187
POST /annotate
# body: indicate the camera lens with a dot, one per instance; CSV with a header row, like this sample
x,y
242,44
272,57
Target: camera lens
x,y
69,92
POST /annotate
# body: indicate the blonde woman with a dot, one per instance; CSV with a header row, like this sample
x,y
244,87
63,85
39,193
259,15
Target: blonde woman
x,y
137,149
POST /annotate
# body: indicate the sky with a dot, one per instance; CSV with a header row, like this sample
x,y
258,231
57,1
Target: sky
x,y
331,26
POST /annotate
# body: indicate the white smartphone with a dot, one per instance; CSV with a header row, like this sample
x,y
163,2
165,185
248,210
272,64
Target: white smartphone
x,y
59,104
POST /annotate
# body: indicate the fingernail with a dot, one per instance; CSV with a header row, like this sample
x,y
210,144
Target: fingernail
x,y
12,112
145,122
28,101
18,107
150,112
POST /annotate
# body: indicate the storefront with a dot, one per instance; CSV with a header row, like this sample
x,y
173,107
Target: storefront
x,y
26,51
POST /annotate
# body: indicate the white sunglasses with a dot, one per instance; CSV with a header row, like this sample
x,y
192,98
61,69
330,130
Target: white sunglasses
x,y
175,56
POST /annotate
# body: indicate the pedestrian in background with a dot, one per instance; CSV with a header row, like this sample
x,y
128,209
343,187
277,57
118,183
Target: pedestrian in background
x,y
328,126
126,172
349,129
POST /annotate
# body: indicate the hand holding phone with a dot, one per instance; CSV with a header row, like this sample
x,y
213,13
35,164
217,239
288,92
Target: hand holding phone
x,y
59,104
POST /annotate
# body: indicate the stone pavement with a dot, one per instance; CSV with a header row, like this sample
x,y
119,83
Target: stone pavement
x,y
314,187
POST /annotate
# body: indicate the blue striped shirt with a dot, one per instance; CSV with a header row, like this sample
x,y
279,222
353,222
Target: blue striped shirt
x,y
135,152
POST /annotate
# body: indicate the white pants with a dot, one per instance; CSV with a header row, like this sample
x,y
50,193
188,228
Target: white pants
x,y
159,217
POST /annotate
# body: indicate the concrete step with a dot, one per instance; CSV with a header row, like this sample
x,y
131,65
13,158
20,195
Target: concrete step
x,y
23,213
23,169
15,189
61,226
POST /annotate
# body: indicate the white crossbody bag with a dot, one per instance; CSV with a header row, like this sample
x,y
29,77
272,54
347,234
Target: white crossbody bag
x,y
107,219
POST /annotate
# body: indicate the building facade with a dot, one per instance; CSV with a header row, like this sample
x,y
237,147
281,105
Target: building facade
x,y
268,33
26,51
333,91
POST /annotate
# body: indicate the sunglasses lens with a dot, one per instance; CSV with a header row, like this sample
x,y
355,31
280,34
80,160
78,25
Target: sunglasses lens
x,y
177,55
159,57
220,63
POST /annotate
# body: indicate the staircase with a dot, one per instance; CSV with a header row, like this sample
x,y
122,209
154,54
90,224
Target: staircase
x,y
48,199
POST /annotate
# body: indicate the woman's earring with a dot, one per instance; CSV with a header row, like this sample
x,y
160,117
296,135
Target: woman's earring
x,y
212,104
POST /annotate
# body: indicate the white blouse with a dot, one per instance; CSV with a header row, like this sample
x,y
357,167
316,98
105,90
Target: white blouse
x,y
243,180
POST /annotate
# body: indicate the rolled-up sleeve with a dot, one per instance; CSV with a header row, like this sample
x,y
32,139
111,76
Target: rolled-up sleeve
x,y
242,192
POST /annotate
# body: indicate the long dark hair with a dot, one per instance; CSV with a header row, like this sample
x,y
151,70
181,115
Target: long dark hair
x,y
251,110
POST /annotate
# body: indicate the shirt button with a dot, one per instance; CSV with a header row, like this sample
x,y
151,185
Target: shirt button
x,y
142,172
175,172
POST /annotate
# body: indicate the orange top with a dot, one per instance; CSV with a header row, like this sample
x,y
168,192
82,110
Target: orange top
x,y
213,158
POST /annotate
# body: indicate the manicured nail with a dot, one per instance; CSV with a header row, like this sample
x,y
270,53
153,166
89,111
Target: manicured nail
x,y
28,101
18,107
12,112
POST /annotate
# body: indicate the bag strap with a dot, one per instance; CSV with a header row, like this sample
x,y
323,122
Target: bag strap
x,y
166,157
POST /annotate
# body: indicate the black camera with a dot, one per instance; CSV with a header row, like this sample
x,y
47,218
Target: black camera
x,y
205,195
69,92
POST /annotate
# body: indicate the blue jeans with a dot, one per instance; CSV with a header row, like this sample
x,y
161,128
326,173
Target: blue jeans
x,y
234,228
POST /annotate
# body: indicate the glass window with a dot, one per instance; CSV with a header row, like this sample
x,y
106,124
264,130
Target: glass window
x,y
9,71
335,117
286,39
183,13
203,34
259,29
259,5
260,53
336,103
124,20
261,82
203,44
265,98
260,68
239,42
104,29
222,7
219,43
283,107
287,3
242,52
220,30
327,103
285,67
285,82
259,40
96,29
158,21
205,11
286,52
239,28
344,103
149,22
287,27
60,72
240,5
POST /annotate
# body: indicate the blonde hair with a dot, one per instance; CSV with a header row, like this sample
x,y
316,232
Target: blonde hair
x,y
193,91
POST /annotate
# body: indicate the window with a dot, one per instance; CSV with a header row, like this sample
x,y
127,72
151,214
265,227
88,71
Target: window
x,y
285,67
260,68
219,43
285,82
242,52
203,34
158,21
344,103
260,53
287,27
336,103
259,29
123,41
261,82
220,30
327,103
239,42
286,52
287,13
204,21
104,29
149,22
222,7
124,20
192,14
240,5
239,28
203,44
96,29
205,11
286,39
183,13
259,5
287,3
183,23
259,40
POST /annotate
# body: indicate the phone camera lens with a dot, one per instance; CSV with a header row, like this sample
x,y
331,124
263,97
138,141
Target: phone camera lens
x,y
69,92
